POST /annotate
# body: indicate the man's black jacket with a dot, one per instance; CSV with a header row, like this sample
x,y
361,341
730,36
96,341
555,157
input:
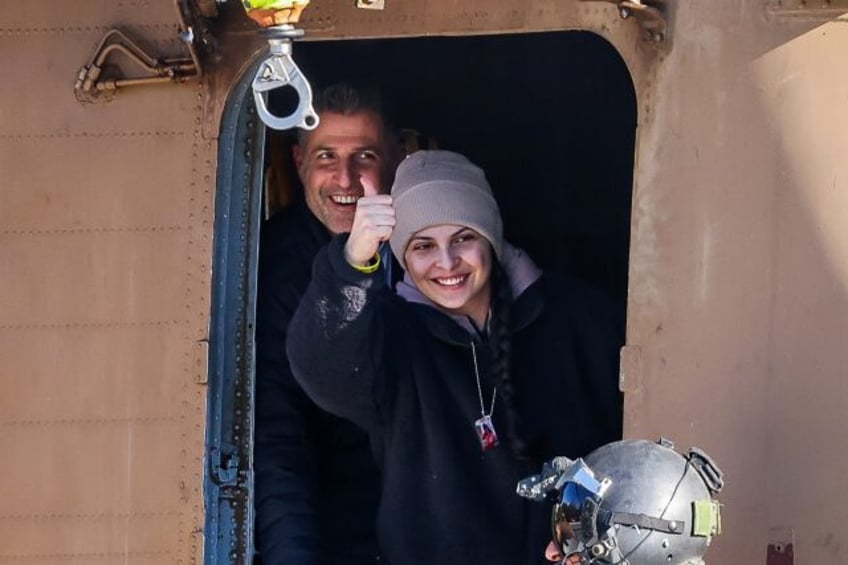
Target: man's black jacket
x,y
317,485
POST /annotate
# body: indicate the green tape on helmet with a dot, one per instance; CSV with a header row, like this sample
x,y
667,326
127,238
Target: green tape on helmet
x,y
706,519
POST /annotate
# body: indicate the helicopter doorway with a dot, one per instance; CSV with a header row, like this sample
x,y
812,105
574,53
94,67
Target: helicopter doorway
x,y
550,117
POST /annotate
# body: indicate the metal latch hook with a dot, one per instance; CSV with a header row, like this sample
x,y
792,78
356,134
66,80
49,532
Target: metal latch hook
x,y
280,71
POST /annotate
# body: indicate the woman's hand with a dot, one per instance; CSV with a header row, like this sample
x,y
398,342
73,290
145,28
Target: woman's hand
x,y
373,223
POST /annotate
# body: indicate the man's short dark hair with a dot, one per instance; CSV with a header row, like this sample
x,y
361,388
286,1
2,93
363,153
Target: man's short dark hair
x,y
345,98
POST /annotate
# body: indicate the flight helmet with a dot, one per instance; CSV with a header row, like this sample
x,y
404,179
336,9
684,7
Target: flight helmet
x,y
632,502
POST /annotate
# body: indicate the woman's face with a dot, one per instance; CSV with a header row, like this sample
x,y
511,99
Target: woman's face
x,y
452,266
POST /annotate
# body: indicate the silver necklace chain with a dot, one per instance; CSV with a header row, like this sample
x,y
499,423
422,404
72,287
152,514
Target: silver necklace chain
x,y
480,388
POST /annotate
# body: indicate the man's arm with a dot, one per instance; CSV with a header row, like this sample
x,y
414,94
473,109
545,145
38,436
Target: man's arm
x,y
285,461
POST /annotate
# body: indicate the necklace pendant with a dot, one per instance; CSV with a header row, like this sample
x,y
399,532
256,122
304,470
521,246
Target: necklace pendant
x,y
486,432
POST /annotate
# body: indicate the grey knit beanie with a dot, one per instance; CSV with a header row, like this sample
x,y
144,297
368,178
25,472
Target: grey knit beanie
x,y
432,188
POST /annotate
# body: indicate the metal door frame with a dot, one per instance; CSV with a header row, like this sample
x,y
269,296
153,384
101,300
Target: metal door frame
x,y
228,481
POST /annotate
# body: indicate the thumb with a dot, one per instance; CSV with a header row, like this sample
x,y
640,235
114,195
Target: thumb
x,y
369,187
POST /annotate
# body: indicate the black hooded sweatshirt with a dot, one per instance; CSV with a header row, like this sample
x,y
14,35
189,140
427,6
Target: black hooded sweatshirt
x,y
405,372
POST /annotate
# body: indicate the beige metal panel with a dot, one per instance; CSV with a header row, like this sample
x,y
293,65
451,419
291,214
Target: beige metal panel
x,y
105,247
101,276
700,270
110,192
716,272
86,14
42,66
92,373
64,505
66,472
411,17
806,101
68,532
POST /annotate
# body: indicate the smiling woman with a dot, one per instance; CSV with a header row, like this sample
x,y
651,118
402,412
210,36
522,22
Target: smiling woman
x,y
459,375
451,266
448,228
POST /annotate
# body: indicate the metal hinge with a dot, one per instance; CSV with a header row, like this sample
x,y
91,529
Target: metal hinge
x,y
224,465
200,367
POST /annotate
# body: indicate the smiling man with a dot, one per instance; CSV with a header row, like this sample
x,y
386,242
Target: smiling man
x,y
338,162
317,485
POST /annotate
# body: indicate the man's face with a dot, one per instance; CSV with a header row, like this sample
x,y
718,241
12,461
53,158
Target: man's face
x,y
338,154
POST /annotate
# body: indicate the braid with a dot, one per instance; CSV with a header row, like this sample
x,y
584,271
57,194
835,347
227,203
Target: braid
x,y
501,348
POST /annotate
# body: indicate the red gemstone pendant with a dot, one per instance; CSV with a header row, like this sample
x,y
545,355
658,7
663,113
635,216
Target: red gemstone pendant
x,y
486,433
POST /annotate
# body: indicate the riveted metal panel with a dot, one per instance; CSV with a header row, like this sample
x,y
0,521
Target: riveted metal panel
x,y
37,204
105,248
737,268
41,64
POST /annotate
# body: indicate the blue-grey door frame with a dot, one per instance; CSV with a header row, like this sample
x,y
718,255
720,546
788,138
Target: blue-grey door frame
x,y
228,481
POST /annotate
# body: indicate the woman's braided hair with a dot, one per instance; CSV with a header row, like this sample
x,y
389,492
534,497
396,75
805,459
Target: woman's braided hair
x,y
501,349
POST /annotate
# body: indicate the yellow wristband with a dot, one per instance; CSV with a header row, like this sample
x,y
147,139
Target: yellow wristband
x,y
370,267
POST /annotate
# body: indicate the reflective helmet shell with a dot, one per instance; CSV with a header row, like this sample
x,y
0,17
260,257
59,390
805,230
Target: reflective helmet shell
x,y
655,480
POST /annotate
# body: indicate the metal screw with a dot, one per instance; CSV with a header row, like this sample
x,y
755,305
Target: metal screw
x,y
598,550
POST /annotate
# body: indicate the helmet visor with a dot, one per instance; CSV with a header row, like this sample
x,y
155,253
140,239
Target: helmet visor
x,y
565,519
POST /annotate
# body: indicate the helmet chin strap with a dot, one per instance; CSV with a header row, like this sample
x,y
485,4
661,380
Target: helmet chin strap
x,y
604,545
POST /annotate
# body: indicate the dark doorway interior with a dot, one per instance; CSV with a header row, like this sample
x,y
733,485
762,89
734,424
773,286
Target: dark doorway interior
x,y
550,117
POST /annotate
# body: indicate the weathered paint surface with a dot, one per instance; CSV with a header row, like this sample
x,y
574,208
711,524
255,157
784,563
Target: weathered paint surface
x,y
105,238
738,269
804,98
